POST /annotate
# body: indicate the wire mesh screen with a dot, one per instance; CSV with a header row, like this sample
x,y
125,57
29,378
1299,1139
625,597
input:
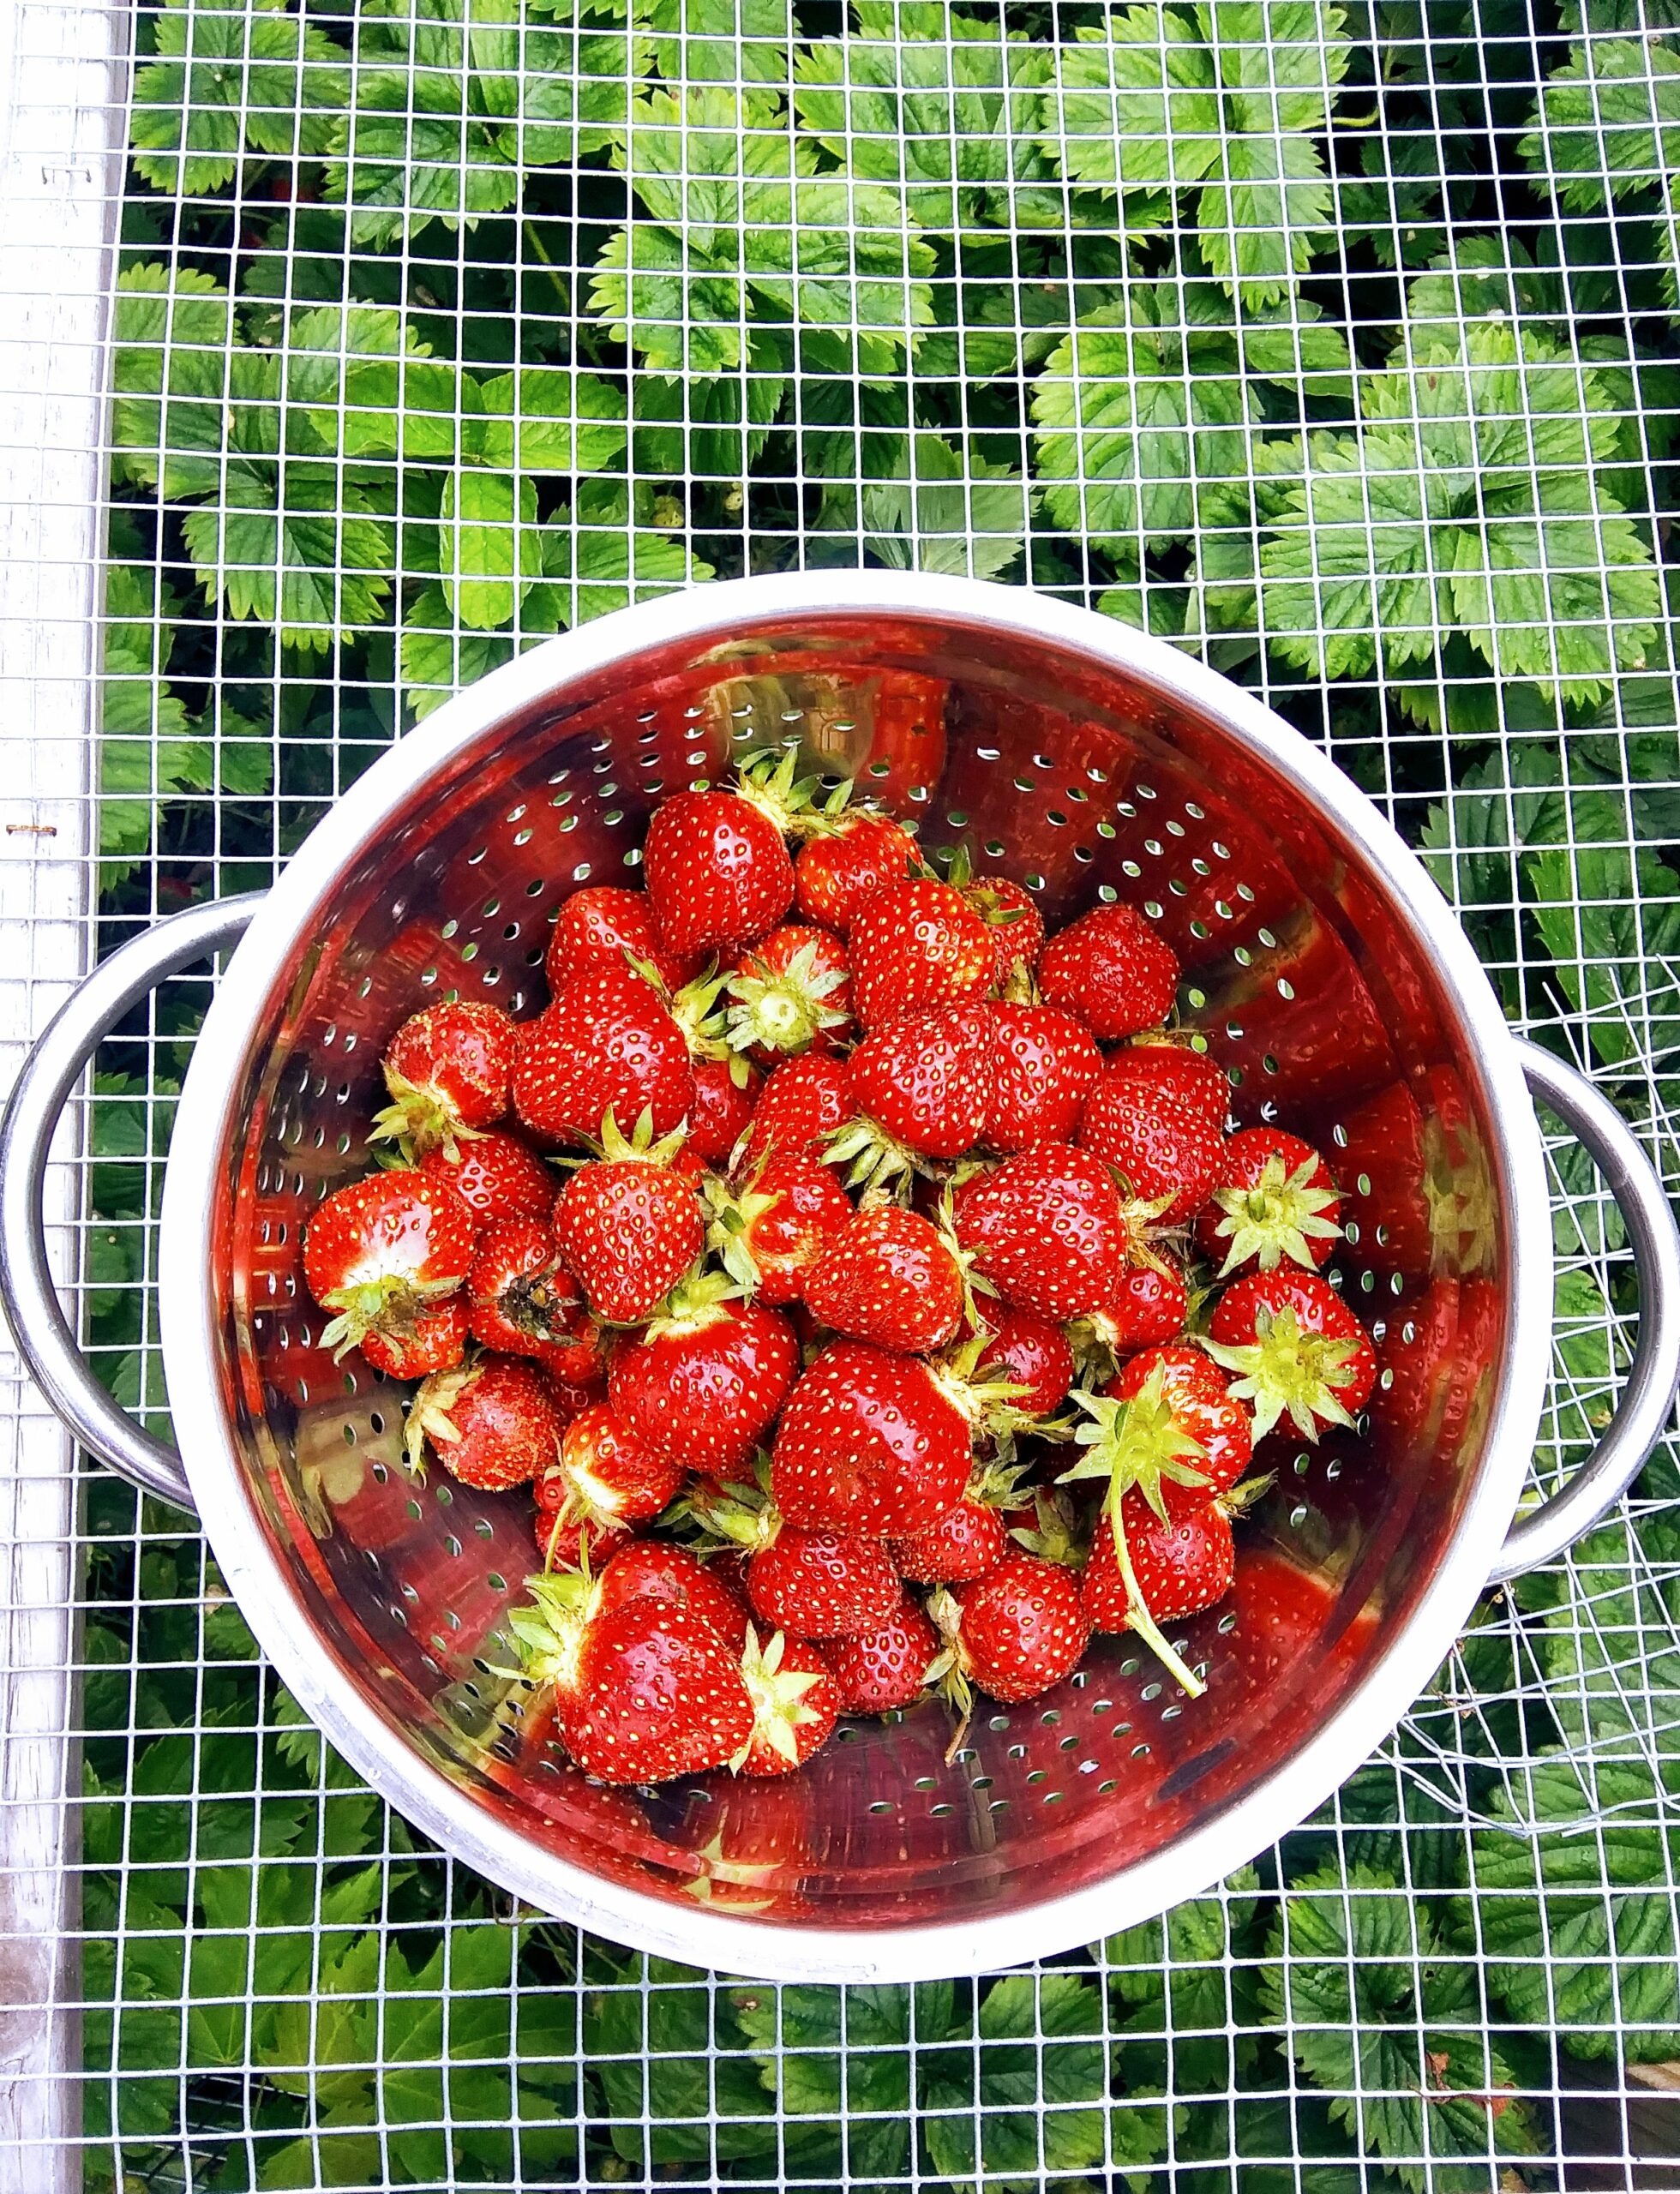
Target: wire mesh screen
x,y
1333,345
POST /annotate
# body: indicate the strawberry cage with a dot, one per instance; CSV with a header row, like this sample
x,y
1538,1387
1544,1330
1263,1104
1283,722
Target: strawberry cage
x,y
349,349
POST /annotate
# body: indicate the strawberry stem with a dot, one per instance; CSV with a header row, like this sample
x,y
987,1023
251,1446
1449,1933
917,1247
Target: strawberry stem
x,y
1138,1615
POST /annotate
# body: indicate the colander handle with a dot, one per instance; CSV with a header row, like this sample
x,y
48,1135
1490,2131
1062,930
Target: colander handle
x,y
52,1070
1648,1394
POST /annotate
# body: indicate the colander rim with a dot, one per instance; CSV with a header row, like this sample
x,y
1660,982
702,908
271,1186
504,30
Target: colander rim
x,y
191,1318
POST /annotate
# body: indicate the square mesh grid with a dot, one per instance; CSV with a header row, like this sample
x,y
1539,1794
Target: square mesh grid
x,y
1333,346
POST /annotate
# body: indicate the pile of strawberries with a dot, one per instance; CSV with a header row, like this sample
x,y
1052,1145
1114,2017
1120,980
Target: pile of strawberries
x,y
865,1283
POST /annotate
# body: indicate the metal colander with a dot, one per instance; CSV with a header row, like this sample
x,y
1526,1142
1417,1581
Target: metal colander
x,y
1322,969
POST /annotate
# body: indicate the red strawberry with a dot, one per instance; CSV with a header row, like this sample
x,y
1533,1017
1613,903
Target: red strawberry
x,y
383,1250
795,1705
563,1541
1297,1350
834,875
1273,1199
717,872
815,1584
770,1235
880,1670
658,1694
1048,1230
869,1442
725,1093
1169,1425
1420,1355
1151,1303
966,1542
916,947
606,1045
804,1102
608,925
1011,914
1184,1080
525,1302
923,1088
1180,1564
610,1475
629,1226
706,1380
496,1177
1032,1352
1111,969
1013,1633
492,1424
888,1277
436,1341
790,991
447,1070
1042,1062
655,1569
1162,1146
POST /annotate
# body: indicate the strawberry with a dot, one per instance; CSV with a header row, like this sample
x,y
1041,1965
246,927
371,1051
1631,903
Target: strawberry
x,y
436,1341
770,1234
1138,1123
1111,969
610,1475
726,1092
869,1442
914,947
1012,1633
1169,1425
446,1071
795,1705
493,1423
628,1225
658,1694
1048,1230
1151,1303
1043,1062
705,1380
608,925
1421,1353
880,1670
1298,1350
567,1542
606,1045
889,1277
524,1302
1032,1352
1011,914
921,1086
496,1177
834,875
791,991
816,1584
966,1542
716,870
383,1250
1180,1564
1273,1198
805,1101
655,1569
1184,1080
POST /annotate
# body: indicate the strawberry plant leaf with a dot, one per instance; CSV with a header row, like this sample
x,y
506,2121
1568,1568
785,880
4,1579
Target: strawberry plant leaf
x,y
720,41
232,76
839,2064
1356,1979
1572,1906
1611,919
489,550
1609,1645
290,548
1224,98
945,510
709,429
668,2098
176,354
940,102
408,156
1607,123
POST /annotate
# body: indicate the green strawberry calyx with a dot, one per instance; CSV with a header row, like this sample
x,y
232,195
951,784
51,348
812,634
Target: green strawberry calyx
x,y
787,1010
699,1300
551,1631
731,1214
392,1304
738,1517
874,1158
1284,1371
768,779
1139,1442
428,1417
779,1705
420,1118
1279,1215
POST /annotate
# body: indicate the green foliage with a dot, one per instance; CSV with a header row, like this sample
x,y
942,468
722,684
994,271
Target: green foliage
x,y
1223,99
1607,123
238,76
